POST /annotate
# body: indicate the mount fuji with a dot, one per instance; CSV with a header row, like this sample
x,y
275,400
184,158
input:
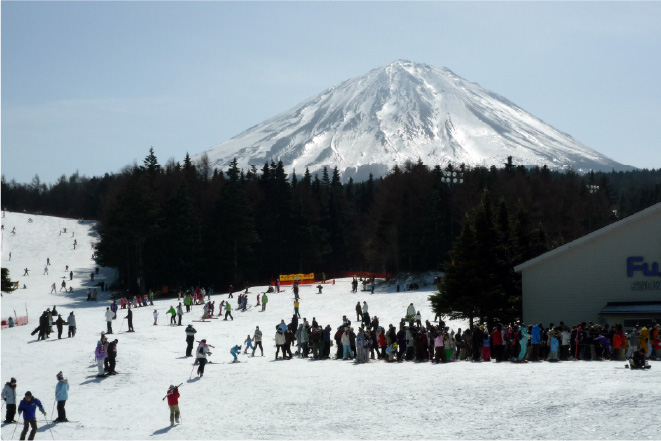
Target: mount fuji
x,y
405,111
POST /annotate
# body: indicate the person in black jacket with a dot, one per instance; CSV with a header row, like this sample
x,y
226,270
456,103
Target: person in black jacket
x,y
477,339
112,357
190,339
43,326
129,317
60,326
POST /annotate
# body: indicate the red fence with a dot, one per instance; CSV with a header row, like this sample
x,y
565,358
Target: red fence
x,y
18,320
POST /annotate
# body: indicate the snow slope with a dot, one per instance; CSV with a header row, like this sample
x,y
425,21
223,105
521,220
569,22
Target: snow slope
x,y
297,399
405,111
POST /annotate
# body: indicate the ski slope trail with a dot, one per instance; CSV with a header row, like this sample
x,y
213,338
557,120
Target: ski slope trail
x,y
261,398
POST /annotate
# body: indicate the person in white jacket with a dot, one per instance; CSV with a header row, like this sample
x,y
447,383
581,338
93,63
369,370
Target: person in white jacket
x,y
202,352
346,344
410,312
155,317
9,395
109,316
280,341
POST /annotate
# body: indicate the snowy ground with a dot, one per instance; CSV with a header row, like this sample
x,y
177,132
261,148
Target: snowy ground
x,y
297,399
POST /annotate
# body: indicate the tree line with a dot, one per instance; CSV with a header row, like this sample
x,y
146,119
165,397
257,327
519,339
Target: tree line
x,y
181,224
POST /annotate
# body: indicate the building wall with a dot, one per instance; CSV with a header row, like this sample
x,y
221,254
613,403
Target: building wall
x,y
576,284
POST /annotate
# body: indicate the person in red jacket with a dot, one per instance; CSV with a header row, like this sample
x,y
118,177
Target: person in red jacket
x,y
173,402
497,341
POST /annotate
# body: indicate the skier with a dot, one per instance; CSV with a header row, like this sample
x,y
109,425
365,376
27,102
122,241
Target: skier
x,y
109,316
72,325
359,312
113,308
280,343
231,291
258,304
53,288
248,343
61,396
187,302
45,271
228,311
47,261
9,395
190,338
155,317
180,313
202,352
27,272
265,300
70,275
29,405
173,403
234,351
129,317
63,286
100,356
257,337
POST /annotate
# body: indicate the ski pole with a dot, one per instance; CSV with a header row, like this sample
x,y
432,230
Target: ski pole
x,y
120,328
49,429
52,412
191,372
12,435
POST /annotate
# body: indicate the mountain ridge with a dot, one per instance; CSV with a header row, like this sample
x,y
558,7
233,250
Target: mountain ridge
x,y
405,111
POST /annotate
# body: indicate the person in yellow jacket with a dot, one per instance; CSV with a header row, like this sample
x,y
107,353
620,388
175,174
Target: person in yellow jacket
x,y
644,339
296,304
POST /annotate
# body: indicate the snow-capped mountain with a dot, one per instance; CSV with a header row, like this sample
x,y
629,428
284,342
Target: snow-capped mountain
x,y
405,111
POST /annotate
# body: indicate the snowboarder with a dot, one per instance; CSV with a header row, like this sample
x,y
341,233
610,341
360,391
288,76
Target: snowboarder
x,y
129,317
173,403
257,338
29,405
9,396
236,349
190,339
109,316
61,396
202,352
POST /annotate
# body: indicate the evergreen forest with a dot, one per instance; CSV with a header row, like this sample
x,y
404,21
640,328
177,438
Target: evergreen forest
x,y
184,224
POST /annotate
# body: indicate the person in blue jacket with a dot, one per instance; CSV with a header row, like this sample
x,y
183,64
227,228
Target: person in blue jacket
x,y
535,340
61,396
29,405
236,349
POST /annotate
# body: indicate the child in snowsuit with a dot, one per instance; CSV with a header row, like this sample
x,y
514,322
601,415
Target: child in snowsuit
x,y
248,343
234,351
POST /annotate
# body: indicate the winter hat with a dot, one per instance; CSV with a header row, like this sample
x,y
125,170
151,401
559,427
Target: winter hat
x,y
171,386
28,394
59,375
13,380
257,327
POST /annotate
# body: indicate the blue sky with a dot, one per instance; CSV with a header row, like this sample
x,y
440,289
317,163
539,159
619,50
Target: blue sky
x,y
91,86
